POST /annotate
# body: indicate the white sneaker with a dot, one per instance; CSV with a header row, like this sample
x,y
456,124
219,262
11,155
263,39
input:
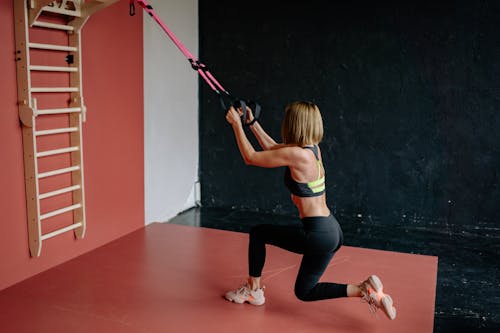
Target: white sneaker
x,y
245,294
373,293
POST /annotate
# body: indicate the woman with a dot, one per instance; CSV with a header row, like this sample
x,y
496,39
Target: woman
x,y
320,235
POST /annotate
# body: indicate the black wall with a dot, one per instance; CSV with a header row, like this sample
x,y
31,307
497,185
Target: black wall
x,y
410,97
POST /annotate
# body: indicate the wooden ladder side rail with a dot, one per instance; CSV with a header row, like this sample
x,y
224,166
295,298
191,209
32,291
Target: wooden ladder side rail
x,y
75,120
27,115
77,178
32,192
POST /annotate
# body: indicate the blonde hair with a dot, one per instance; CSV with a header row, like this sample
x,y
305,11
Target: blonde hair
x,y
302,124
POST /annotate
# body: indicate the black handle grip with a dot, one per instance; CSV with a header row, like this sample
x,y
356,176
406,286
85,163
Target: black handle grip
x,y
226,101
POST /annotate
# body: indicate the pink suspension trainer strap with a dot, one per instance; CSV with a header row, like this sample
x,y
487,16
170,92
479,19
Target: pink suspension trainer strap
x,y
225,98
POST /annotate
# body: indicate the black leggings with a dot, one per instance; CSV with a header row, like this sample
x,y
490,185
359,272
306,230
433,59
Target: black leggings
x,y
318,240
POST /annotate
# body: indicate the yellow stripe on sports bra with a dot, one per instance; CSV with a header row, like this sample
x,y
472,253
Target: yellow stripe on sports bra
x,y
318,189
317,185
317,182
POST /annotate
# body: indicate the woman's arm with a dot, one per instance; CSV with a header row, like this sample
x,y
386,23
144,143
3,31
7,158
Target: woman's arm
x,y
265,141
267,158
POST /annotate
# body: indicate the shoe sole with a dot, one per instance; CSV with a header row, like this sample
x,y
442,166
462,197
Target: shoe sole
x,y
387,303
249,302
257,303
389,309
376,283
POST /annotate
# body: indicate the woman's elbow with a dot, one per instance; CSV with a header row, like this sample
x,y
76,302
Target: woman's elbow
x,y
247,161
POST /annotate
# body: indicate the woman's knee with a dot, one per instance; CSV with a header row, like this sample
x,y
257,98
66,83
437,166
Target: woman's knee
x,y
302,293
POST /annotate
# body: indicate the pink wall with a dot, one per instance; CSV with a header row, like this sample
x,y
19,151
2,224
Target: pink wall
x,y
112,62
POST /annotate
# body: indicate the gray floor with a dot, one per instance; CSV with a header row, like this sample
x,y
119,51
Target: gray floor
x,y
468,297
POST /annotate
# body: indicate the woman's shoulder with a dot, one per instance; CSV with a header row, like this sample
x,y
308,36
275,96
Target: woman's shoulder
x,y
302,155
293,153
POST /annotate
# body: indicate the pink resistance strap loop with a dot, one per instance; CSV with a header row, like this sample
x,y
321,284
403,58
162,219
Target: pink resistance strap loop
x,y
225,98
195,64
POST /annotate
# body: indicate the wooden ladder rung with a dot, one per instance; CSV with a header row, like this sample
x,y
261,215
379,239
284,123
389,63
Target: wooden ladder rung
x,y
62,230
53,68
57,151
58,192
60,211
53,26
56,131
53,89
58,111
52,47
58,172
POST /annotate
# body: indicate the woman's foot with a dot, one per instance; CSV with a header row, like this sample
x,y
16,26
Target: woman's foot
x,y
372,292
246,294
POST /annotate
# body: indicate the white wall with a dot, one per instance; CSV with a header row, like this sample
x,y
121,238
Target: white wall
x,y
170,111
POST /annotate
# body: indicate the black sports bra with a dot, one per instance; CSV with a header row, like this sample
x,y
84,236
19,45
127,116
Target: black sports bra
x,y
311,189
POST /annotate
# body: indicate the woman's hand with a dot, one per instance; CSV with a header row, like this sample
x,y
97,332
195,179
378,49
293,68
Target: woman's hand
x,y
233,117
249,115
239,113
